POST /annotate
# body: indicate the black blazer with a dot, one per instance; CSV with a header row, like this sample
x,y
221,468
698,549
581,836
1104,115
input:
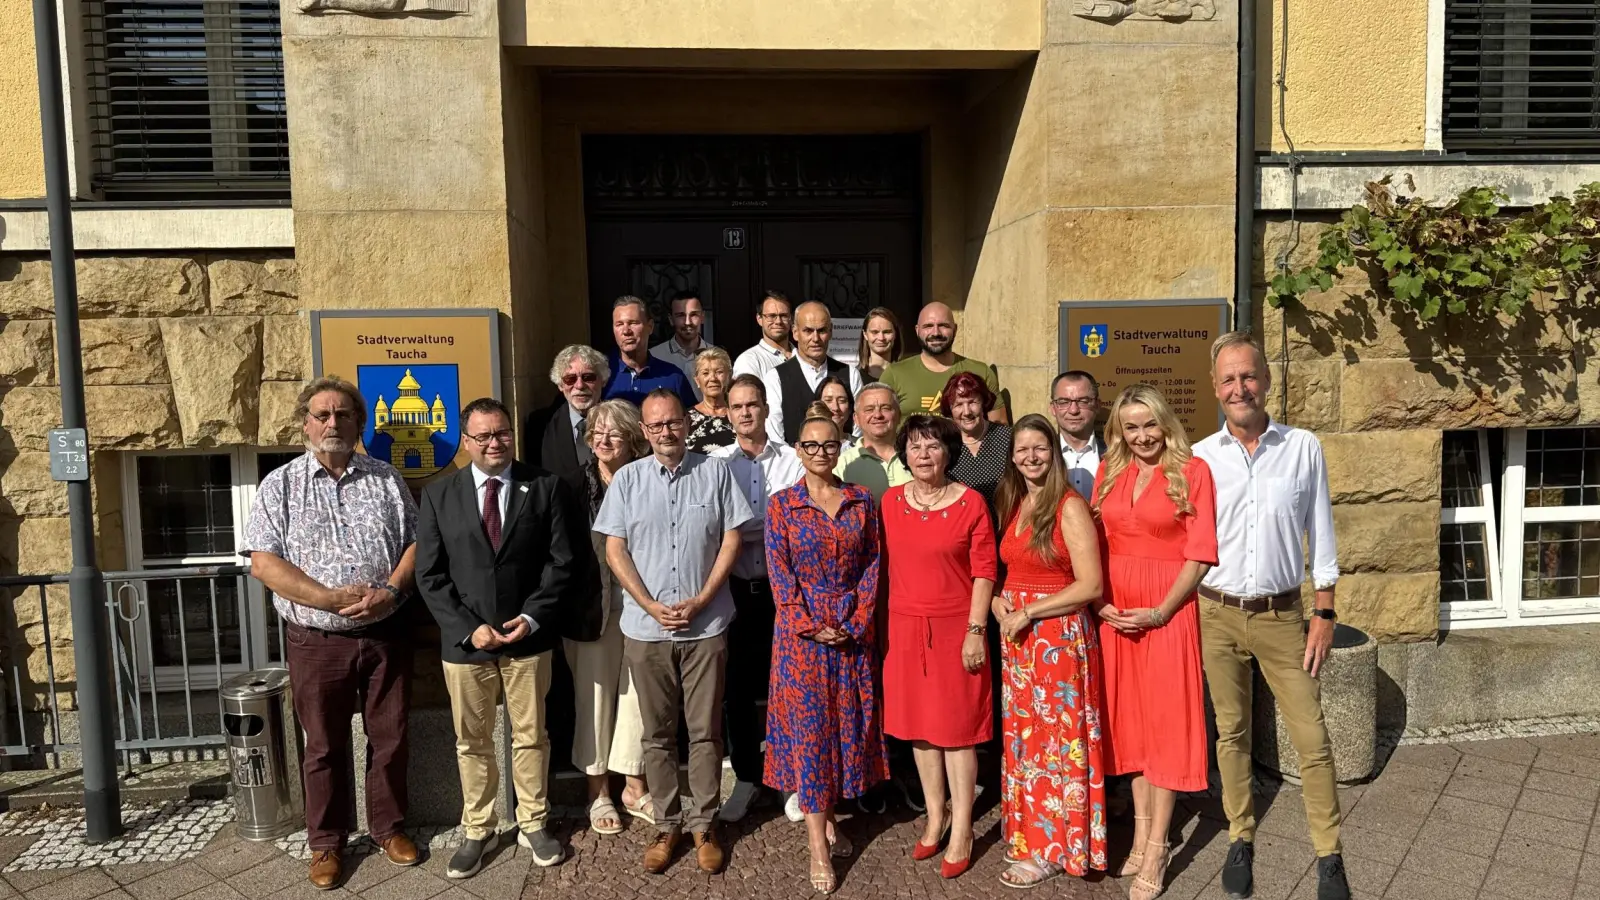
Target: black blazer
x,y
466,583
549,445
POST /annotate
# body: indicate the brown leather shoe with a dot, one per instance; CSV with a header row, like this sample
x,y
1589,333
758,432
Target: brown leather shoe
x,y
659,854
326,869
400,850
707,852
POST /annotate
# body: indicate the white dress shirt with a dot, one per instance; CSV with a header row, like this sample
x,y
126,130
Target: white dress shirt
x,y
813,376
760,359
1266,504
776,467
1082,465
479,480
670,352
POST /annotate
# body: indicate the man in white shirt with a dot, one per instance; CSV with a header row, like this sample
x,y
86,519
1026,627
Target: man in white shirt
x,y
1272,492
794,385
1075,401
688,319
761,468
775,316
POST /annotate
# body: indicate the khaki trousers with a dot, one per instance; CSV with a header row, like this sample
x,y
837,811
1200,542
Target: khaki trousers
x,y
475,690
1277,640
686,675
607,734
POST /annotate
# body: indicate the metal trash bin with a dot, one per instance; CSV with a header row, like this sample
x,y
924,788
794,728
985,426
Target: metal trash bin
x,y
263,754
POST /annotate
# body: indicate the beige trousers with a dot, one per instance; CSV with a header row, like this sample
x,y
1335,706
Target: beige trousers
x,y
1277,640
475,690
607,735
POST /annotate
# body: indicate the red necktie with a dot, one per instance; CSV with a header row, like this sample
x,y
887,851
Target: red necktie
x,y
491,511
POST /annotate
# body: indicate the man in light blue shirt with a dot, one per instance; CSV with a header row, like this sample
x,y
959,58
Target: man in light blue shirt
x,y
672,524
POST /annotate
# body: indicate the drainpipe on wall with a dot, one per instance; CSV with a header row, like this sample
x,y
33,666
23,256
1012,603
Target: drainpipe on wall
x,y
1245,196
91,644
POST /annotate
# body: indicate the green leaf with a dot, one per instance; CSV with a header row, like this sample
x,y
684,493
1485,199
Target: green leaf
x,y
1405,286
1430,308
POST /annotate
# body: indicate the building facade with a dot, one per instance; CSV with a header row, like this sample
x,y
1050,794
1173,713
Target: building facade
x,y
240,164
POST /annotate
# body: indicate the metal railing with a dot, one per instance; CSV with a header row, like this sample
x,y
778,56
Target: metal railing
x,y
168,697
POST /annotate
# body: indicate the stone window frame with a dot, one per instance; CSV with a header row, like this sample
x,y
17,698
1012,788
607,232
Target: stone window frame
x,y
1510,607
263,624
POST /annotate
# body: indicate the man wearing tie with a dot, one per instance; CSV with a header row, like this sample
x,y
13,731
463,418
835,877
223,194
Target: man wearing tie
x,y
555,434
494,560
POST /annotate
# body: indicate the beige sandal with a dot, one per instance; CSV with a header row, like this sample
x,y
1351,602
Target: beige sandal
x,y
1135,861
823,879
1143,888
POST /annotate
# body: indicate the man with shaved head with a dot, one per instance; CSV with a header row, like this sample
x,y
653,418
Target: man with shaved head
x,y
796,384
918,381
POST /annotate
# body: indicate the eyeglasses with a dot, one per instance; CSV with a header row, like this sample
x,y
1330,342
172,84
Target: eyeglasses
x,y
819,448
607,437
571,378
343,415
483,440
658,427
1073,402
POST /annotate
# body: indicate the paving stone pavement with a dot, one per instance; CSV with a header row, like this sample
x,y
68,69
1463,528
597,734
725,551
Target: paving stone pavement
x,y
1508,819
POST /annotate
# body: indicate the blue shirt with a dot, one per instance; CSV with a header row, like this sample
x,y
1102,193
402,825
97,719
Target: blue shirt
x,y
626,384
673,522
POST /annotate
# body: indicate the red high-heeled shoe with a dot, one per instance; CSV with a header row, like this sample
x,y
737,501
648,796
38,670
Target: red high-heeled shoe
x,y
948,869
921,851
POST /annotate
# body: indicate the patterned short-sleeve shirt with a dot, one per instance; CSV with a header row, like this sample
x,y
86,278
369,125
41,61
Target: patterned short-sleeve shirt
x,y
350,531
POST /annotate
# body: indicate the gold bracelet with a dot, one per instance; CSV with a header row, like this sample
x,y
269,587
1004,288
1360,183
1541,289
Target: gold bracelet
x,y
977,628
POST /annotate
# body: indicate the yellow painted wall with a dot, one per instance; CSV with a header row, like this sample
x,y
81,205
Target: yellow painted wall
x,y
961,25
1356,74
21,149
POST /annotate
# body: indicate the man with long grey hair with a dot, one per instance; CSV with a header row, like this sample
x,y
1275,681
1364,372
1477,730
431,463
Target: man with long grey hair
x,y
332,535
554,435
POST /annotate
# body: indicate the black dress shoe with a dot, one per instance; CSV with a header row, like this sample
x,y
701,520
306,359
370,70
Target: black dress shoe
x,y
1238,877
1331,884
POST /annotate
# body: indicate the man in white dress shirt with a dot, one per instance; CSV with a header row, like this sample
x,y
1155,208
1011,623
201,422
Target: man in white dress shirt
x,y
794,385
761,467
775,316
688,320
1272,493
1075,401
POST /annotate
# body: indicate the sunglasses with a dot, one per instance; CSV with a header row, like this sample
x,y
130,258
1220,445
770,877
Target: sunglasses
x,y
570,379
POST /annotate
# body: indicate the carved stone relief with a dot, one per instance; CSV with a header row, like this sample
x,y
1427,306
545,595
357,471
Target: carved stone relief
x,y
382,7
1166,10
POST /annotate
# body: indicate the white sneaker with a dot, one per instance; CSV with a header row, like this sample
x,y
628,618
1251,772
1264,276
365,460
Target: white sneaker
x,y
738,802
791,809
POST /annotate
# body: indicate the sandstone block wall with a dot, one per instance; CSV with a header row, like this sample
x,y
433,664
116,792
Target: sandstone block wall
x,y
179,351
1380,387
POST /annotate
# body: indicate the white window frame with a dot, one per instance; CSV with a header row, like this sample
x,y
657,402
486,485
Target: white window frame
x,y
1510,607
1469,612
242,471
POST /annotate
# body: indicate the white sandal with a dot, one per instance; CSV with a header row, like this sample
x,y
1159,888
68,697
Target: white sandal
x,y
602,809
644,809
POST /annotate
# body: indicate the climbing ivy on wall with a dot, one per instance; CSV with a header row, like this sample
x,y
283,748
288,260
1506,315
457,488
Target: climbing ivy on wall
x,y
1461,258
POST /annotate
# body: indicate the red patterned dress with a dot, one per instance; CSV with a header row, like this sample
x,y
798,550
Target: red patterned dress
x,y
1054,794
824,731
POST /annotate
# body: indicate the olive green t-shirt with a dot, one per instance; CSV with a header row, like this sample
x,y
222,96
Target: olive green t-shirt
x,y
919,390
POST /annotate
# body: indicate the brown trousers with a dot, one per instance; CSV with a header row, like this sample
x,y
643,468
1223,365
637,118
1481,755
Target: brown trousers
x,y
686,675
334,676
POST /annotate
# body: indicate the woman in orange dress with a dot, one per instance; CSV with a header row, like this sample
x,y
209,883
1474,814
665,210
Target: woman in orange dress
x,y
1157,504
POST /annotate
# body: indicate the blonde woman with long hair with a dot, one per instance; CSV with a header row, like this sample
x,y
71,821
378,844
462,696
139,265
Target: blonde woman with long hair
x,y
1157,504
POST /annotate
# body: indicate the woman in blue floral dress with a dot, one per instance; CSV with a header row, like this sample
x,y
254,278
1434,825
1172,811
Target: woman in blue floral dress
x,y
824,728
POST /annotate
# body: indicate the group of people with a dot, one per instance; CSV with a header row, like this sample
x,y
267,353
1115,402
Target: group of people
x,y
835,587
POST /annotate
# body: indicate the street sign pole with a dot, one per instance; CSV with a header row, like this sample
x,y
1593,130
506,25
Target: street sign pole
x,y
102,801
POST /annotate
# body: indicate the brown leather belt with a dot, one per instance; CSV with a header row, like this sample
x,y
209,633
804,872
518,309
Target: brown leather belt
x,y
1289,599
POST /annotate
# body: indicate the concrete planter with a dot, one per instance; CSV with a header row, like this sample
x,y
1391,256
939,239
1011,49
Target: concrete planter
x,y
1349,705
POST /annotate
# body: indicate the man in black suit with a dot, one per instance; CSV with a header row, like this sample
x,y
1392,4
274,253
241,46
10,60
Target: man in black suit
x,y
554,435
494,561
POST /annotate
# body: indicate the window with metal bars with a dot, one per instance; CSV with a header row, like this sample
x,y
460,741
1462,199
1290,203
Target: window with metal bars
x,y
1522,75
186,99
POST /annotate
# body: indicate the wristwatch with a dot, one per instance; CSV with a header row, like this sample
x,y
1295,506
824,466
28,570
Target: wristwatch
x,y
1328,614
393,590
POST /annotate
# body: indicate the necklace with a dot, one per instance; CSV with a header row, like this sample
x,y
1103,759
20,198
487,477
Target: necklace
x,y
926,505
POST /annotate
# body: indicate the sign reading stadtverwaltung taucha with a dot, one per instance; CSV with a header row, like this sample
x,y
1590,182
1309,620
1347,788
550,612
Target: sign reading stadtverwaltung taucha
x,y
416,368
1162,343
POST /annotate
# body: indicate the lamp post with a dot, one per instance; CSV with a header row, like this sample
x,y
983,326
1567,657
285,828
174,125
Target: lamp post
x,y
102,801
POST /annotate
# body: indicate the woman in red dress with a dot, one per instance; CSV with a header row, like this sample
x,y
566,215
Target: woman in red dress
x,y
1157,504
939,546
1054,790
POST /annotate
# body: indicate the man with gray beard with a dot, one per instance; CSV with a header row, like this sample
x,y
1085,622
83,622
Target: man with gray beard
x,y
332,535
